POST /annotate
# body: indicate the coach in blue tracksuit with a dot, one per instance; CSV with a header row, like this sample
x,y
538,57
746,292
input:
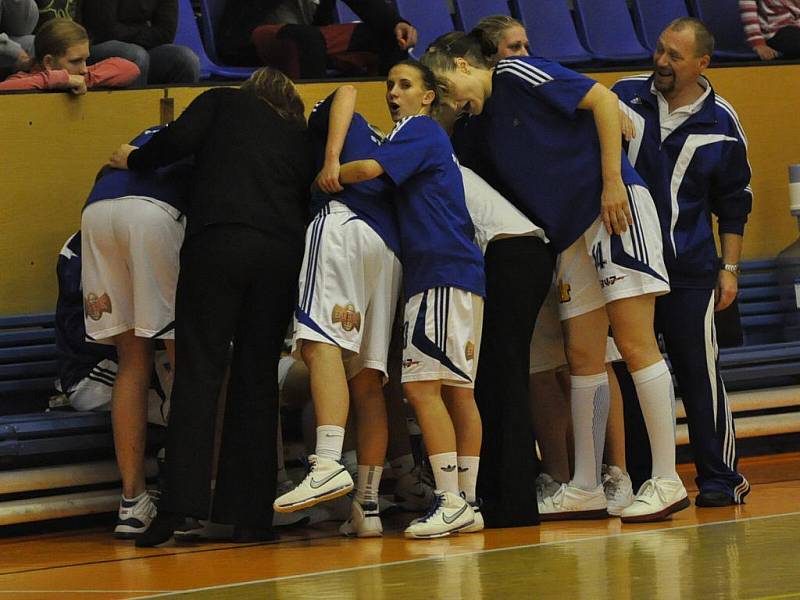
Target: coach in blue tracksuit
x,y
691,150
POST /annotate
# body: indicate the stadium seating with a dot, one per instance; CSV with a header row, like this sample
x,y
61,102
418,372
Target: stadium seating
x,y
189,35
722,18
652,16
344,14
431,18
551,30
607,31
469,12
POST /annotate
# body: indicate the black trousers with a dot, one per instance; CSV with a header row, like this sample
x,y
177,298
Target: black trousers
x,y
237,285
787,42
518,275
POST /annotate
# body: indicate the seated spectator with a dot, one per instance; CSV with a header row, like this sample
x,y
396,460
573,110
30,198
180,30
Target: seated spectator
x,y
58,9
772,27
141,31
17,20
300,39
62,49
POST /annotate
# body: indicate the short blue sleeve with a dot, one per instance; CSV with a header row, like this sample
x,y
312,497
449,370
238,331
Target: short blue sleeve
x,y
406,150
561,88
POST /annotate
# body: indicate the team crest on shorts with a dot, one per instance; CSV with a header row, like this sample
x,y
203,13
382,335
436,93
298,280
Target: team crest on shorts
x,y
563,292
348,316
95,306
469,351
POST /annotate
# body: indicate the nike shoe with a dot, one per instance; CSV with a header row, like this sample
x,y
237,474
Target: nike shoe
x,y
448,514
545,486
571,502
477,524
414,490
326,479
618,489
364,521
657,499
135,516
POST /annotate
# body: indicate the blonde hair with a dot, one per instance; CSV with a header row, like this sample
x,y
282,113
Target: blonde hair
x,y
278,91
493,28
56,37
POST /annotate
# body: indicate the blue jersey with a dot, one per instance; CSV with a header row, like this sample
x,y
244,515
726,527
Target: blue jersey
x,y
543,148
436,231
700,168
370,200
168,184
76,357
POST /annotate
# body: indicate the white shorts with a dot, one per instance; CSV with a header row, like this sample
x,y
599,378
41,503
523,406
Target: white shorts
x,y
599,268
130,257
442,336
93,392
547,344
349,284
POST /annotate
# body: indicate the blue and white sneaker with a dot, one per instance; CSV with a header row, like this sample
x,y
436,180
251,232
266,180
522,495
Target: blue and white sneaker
x,y
326,479
134,516
477,524
448,514
364,521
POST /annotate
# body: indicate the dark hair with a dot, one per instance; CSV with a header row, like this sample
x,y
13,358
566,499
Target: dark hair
x,y
703,38
56,37
278,91
429,80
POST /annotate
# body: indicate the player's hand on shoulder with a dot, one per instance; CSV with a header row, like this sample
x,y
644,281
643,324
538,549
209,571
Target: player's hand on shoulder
x,y
614,208
628,128
119,158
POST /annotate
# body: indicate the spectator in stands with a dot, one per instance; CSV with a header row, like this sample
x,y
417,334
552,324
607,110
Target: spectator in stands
x,y
691,150
58,9
17,21
299,37
772,27
239,269
142,31
62,49
503,36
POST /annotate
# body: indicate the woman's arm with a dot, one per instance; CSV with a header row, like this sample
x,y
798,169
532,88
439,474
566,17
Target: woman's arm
x,y
360,170
112,72
614,208
341,115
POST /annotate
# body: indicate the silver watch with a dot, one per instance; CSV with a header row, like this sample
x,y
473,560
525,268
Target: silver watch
x,y
731,268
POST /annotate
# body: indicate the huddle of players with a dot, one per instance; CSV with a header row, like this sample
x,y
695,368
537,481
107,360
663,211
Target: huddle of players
x,y
551,140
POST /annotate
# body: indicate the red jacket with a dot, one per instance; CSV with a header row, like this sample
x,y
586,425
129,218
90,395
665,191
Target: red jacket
x,y
111,72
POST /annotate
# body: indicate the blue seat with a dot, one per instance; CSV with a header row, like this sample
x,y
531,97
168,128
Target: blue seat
x,y
431,19
651,17
344,14
469,12
722,18
551,30
607,31
189,35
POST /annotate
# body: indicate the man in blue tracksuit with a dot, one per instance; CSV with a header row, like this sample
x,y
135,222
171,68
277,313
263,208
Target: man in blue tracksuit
x,y
691,150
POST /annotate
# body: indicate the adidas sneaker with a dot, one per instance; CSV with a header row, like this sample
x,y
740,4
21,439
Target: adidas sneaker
x,y
657,499
618,489
571,502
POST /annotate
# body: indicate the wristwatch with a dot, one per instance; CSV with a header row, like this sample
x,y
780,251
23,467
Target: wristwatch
x,y
731,269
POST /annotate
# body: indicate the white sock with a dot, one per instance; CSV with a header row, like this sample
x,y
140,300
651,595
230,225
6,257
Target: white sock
x,y
468,475
330,439
135,498
369,480
589,401
445,471
402,465
657,399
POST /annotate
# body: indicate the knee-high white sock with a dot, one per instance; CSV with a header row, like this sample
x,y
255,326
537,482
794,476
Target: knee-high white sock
x,y
330,439
657,399
445,471
589,400
468,475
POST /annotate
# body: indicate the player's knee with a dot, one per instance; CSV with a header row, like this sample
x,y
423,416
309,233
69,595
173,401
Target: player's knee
x,y
314,352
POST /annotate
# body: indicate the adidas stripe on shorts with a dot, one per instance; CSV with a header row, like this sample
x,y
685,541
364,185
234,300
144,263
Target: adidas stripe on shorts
x,y
442,336
599,268
349,285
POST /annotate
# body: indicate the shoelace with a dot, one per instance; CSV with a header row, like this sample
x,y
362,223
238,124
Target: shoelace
x,y
437,504
649,489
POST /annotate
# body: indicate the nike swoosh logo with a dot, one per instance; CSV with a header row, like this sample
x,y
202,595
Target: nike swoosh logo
x,y
449,519
316,484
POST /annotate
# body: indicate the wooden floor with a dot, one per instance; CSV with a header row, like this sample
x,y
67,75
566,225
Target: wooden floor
x,y
750,551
